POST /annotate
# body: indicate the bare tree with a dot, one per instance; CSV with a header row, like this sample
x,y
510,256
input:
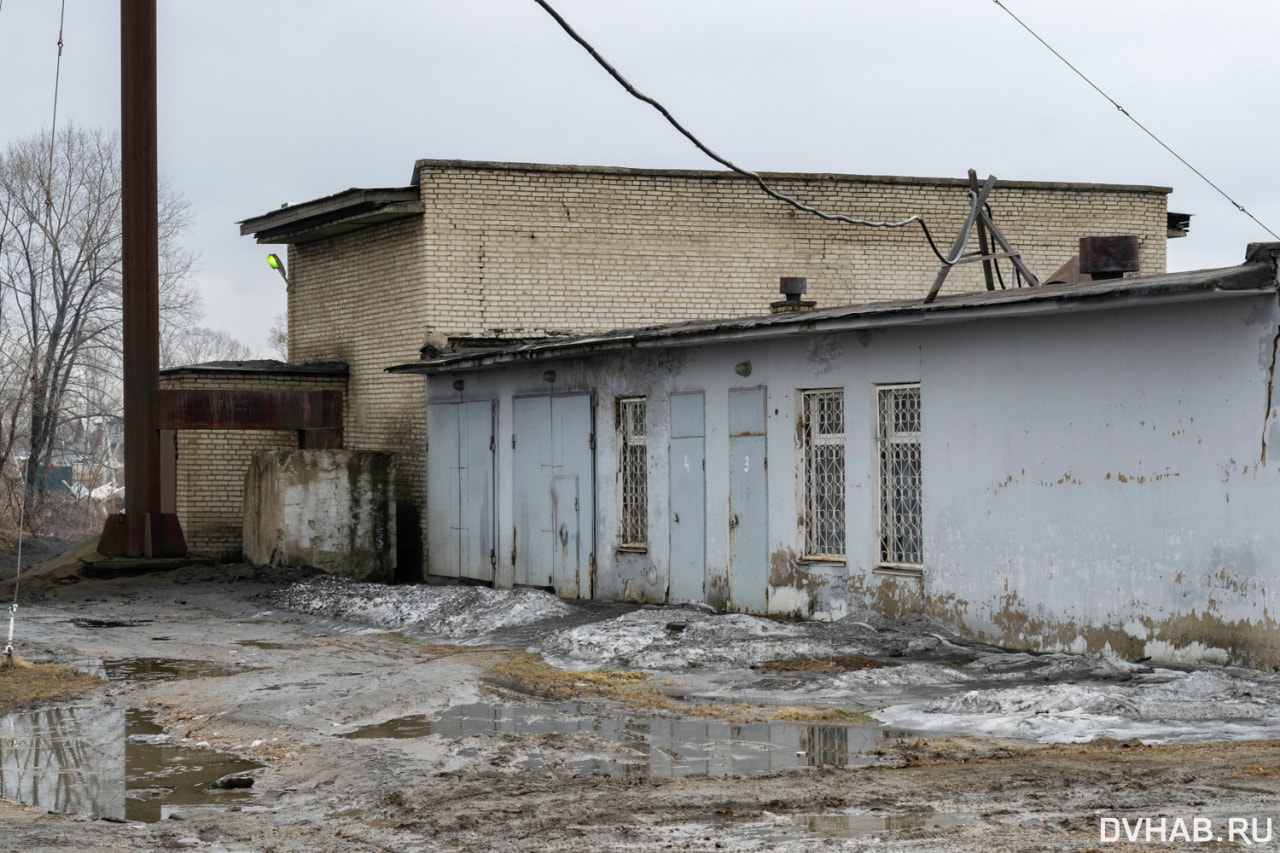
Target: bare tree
x,y
278,336
199,345
60,252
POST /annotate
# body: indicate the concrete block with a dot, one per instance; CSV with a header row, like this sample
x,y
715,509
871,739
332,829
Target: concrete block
x,y
331,509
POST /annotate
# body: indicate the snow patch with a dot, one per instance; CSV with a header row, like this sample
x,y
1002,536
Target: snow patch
x,y
1194,652
467,613
672,639
1171,707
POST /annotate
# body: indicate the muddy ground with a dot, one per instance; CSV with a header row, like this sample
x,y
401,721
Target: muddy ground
x,y
278,678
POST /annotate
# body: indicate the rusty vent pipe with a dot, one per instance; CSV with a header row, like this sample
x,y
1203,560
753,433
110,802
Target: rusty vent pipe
x,y
1109,257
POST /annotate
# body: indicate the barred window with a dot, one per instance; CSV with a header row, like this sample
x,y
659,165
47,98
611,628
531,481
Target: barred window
x,y
901,513
634,472
822,431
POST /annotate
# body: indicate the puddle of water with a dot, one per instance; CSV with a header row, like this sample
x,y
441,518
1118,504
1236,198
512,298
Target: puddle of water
x,y
108,762
109,623
301,685
664,747
859,825
268,645
418,725
65,760
161,775
163,669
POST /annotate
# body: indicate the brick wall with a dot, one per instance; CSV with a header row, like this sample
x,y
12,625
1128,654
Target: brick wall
x,y
514,249
211,464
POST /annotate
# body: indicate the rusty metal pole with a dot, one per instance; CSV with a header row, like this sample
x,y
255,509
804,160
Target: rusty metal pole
x,y
141,272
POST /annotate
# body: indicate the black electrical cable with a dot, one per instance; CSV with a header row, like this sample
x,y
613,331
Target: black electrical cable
x,y
53,131
1140,125
836,217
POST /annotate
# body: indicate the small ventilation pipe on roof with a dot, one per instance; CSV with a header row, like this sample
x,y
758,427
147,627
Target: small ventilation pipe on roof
x,y
792,288
1108,257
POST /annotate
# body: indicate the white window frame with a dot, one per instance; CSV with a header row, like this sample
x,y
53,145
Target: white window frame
x,y
633,474
825,527
900,503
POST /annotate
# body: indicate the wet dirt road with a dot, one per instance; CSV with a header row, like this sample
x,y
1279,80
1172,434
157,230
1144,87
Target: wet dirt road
x,y
361,732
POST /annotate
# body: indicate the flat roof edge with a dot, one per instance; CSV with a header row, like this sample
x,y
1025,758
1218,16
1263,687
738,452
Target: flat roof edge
x,y
260,367
1247,279
308,215
724,174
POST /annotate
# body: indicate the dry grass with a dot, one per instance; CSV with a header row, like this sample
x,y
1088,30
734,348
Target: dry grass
x,y
528,673
1260,770
429,649
826,666
825,715
21,686
532,674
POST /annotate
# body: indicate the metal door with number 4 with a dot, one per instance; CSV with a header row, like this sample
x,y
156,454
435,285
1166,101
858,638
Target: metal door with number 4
x,y
748,502
688,499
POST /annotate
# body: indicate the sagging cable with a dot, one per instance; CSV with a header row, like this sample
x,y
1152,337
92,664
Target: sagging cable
x,y
728,164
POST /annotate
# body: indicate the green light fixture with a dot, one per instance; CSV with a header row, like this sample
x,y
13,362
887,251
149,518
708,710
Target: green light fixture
x,y
273,261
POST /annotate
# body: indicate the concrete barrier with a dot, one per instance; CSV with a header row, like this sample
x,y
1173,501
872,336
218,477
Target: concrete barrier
x,y
331,509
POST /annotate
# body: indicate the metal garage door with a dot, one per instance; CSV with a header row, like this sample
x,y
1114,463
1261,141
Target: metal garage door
x,y
688,499
748,502
460,487
554,498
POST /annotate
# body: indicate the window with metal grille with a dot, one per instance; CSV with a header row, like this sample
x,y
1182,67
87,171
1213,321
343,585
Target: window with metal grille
x,y
901,513
634,473
822,431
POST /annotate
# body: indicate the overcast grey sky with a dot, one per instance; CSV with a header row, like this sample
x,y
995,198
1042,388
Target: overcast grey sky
x,y
266,101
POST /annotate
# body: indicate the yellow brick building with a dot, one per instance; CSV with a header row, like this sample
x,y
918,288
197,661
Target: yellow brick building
x,y
506,250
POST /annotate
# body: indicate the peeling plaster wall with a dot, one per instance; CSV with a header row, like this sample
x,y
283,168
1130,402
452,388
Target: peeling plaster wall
x,y
1116,501
1091,479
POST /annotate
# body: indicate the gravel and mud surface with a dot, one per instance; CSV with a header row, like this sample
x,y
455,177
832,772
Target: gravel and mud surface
x,y
415,718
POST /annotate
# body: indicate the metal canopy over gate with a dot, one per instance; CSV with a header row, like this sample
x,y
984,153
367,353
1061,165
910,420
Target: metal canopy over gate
x,y
554,493
461,531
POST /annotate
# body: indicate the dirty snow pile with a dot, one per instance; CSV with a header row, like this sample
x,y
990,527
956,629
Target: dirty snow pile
x,y
1155,706
676,638
464,613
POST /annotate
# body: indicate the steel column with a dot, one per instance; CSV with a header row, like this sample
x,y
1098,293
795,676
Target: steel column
x,y
145,532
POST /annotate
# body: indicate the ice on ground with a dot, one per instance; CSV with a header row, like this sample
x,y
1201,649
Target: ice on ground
x,y
679,638
935,682
465,613
1159,706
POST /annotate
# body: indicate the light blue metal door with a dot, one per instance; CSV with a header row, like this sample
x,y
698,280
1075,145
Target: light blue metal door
x,y
531,421
552,481
572,439
475,491
688,499
460,519
566,554
748,502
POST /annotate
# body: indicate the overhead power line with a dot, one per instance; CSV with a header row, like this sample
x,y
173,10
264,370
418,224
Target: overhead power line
x,y
835,217
1240,207
53,131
